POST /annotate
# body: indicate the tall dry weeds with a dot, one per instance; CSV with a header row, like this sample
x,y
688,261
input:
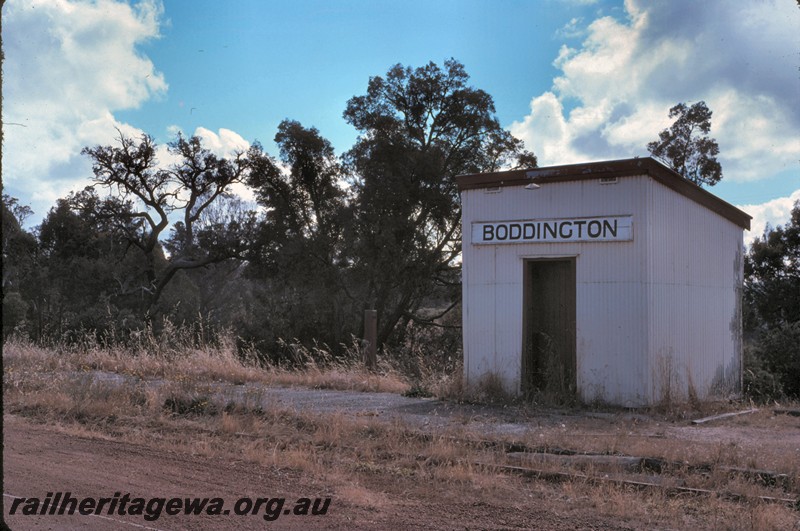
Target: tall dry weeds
x,y
175,354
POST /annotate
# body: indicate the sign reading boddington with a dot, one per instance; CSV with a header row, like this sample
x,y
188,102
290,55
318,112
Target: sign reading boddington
x,y
599,229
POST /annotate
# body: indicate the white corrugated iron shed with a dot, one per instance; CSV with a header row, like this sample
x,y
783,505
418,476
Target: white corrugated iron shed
x,y
617,281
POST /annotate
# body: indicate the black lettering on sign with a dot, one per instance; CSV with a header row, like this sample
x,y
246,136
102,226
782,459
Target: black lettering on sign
x,y
562,233
607,228
501,232
598,227
528,231
580,224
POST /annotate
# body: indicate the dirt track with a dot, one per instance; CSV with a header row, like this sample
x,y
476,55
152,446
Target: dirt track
x,y
40,459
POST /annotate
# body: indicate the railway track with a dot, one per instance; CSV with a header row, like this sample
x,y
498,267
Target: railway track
x,y
558,464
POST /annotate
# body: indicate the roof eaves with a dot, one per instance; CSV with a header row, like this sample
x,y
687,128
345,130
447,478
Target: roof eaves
x,y
608,169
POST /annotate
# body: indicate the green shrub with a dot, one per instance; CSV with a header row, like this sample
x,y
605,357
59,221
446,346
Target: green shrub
x,y
772,364
760,384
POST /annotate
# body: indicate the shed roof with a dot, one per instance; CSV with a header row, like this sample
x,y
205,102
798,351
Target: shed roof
x,y
608,169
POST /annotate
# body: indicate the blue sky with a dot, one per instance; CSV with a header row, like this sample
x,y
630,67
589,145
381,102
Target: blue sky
x,y
578,80
304,60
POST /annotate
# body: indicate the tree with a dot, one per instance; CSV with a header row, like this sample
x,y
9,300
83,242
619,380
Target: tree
x,y
18,245
419,128
306,203
772,294
299,253
772,273
686,147
19,263
82,263
144,196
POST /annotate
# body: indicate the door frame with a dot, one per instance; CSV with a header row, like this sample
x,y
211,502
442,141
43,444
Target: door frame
x,y
526,295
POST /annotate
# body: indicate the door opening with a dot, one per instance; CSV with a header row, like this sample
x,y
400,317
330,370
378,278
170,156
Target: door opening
x,y
549,333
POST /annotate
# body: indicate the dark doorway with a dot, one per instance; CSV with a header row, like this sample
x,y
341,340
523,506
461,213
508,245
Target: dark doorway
x,y
548,353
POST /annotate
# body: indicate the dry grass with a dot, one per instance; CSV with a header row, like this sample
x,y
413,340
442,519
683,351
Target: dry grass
x,y
369,462
220,363
212,363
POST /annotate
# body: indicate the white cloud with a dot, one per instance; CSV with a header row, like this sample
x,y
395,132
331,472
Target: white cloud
x,y
68,66
224,144
615,90
174,130
572,29
756,134
775,212
547,130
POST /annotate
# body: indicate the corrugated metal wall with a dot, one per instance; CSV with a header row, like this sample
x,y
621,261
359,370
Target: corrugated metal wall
x,y
653,314
695,267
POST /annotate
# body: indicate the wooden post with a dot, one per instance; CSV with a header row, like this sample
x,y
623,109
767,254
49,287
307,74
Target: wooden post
x,y
371,338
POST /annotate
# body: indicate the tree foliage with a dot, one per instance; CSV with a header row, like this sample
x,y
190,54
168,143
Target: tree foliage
x,y
772,291
686,146
419,128
84,263
772,273
300,251
19,262
18,245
